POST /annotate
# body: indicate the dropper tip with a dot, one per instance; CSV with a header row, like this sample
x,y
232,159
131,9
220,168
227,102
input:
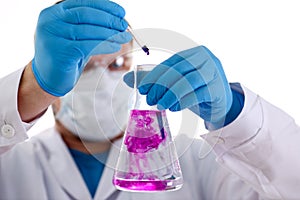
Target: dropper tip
x,y
146,49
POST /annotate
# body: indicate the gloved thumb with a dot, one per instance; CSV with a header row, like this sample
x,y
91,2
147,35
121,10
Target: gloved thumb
x,y
129,78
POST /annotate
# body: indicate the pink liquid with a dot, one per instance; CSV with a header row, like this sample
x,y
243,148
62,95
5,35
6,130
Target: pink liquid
x,y
144,135
141,185
146,131
142,145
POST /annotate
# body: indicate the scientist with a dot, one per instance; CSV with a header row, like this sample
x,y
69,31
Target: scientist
x,y
255,156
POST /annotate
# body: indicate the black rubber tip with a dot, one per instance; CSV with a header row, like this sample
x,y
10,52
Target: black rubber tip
x,y
146,49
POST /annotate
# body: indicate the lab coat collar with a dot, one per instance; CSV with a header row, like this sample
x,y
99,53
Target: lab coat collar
x,y
106,187
66,172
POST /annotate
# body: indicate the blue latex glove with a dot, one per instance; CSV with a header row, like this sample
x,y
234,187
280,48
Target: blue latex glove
x,y
68,33
192,79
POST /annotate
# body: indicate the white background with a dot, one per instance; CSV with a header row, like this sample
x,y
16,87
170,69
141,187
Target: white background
x,y
258,41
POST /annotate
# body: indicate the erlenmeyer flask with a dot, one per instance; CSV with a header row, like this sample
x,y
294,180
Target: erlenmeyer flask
x,y
148,160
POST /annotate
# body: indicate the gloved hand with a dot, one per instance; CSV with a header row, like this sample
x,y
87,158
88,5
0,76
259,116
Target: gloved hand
x,y
68,33
192,79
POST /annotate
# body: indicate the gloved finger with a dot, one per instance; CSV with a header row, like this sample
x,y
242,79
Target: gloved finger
x,y
182,70
193,98
158,72
183,62
79,53
87,48
120,38
189,55
105,5
187,84
83,32
164,83
86,15
150,79
194,70
178,57
129,78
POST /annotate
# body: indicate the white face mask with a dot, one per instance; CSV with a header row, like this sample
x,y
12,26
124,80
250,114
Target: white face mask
x,y
97,108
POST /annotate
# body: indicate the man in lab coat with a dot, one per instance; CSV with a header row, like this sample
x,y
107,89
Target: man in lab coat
x,y
255,144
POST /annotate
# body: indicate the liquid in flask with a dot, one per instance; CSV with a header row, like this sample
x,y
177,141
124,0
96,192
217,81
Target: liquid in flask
x,y
148,160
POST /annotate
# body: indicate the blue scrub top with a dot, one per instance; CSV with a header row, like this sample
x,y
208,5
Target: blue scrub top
x,y
90,167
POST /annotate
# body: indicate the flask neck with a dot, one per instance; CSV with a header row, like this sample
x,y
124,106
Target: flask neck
x,y
140,102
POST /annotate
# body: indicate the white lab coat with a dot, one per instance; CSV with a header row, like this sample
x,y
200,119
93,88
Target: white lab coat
x,y
257,158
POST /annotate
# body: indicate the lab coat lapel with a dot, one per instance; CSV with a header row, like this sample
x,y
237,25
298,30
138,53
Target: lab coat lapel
x,y
106,187
64,167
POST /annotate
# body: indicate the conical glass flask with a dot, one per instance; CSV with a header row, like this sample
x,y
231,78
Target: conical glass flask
x,y
148,160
